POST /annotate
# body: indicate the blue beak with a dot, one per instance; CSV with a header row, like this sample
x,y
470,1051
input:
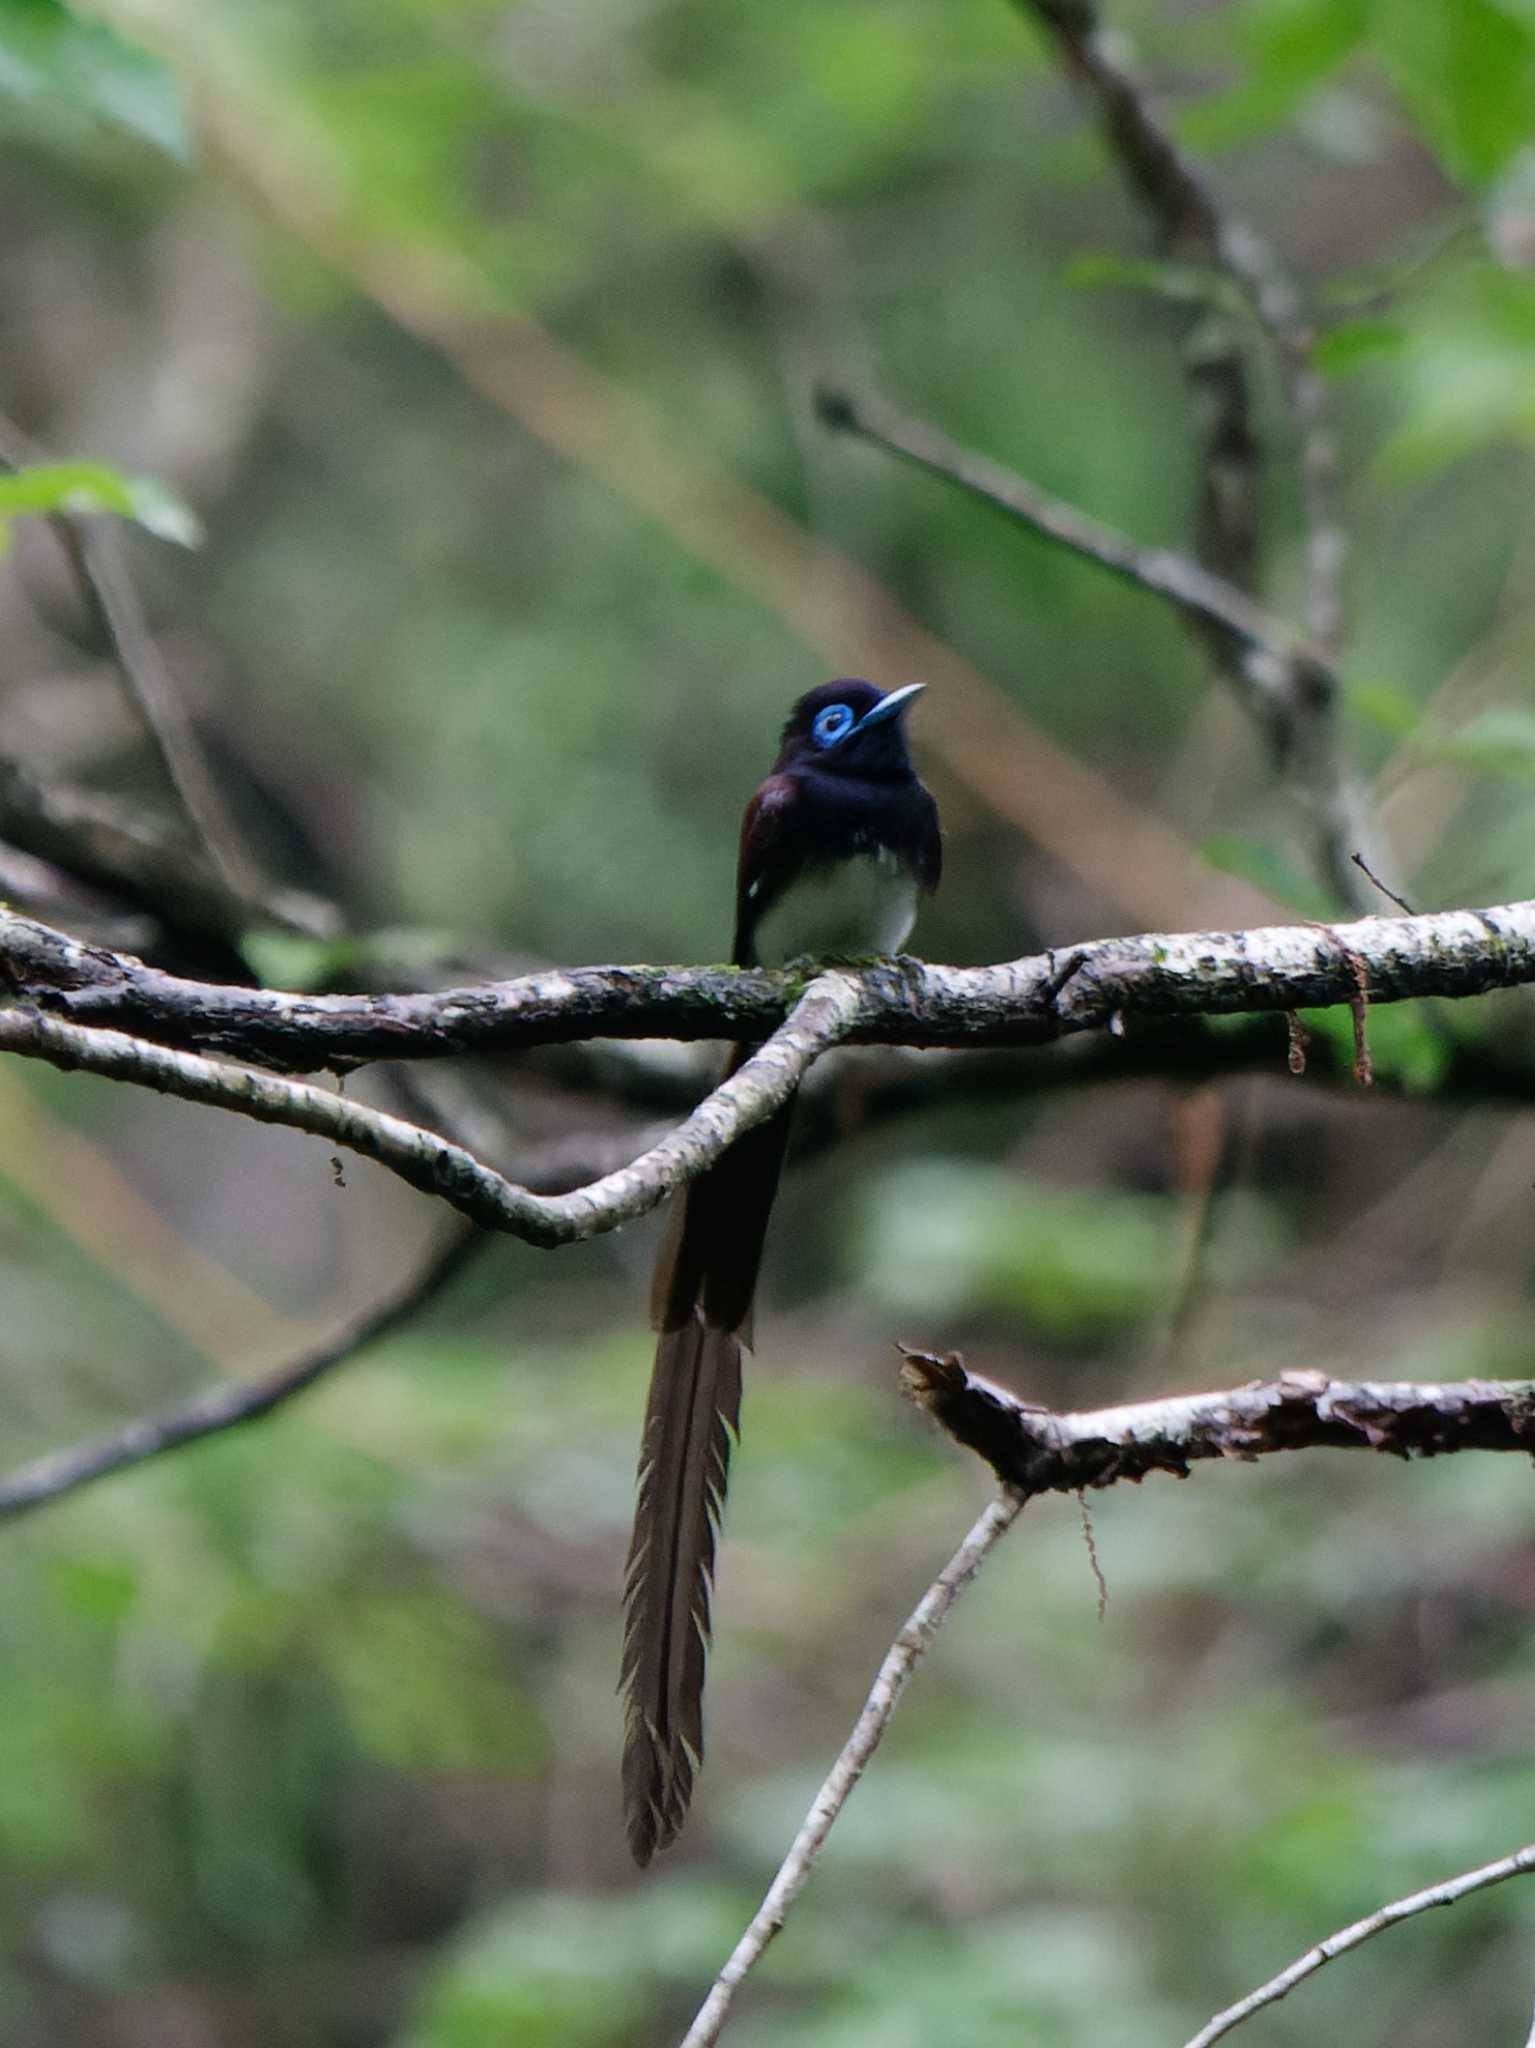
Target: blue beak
x,y
889,707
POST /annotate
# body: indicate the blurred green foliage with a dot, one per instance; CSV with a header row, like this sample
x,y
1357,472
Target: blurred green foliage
x,y
65,80
309,1736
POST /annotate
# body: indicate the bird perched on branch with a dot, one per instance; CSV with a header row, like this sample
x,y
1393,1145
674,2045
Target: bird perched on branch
x,y
836,846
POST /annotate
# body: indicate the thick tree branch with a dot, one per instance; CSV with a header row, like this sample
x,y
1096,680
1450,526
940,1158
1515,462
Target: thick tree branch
x,y
894,1675
434,1164
1035,1451
1031,1001
1519,1864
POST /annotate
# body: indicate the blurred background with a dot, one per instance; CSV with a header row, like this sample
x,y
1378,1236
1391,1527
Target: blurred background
x,y
481,339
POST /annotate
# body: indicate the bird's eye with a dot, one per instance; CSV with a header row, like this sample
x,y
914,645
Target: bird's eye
x,y
831,725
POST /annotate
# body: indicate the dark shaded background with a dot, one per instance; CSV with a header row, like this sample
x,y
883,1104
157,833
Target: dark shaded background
x,y
481,338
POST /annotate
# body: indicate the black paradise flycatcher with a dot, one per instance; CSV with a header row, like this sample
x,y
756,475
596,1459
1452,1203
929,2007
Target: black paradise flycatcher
x,y
835,847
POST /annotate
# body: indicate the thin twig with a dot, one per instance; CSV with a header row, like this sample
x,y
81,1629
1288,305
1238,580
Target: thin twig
x,y
222,1408
1370,875
895,1673
451,307
113,846
1194,226
435,1165
95,560
1520,1864
1274,660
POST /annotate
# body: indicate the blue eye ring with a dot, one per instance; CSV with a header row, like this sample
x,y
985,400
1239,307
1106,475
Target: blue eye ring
x,y
832,724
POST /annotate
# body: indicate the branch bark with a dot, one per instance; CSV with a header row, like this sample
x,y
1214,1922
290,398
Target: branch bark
x,y
435,1165
1102,983
1035,1451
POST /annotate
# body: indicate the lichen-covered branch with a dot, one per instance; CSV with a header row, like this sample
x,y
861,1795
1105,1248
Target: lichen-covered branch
x,y
437,1166
1102,983
1036,1451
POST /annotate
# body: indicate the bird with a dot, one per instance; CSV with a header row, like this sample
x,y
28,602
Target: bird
x,y
837,844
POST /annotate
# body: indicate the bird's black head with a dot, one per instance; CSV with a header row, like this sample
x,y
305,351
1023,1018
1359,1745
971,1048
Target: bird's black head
x,y
850,728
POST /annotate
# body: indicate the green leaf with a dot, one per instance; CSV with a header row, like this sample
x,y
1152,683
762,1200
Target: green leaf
x,y
1465,381
1500,741
49,487
289,960
1355,342
52,60
1187,283
1288,49
155,506
1385,706
1465,70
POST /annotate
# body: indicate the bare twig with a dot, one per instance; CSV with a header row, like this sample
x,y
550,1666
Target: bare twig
x,y
437,1166
1035,1451
1194,227
1520,1864
1153,976
112,846
557,1165
1287,683
226,1407
94,556
1370,875
439,297
1273,662
884,1697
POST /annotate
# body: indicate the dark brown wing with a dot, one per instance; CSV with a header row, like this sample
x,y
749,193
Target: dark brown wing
x,y
929,843
768,860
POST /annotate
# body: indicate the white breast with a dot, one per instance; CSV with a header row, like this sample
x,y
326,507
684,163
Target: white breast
x,y
859,906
